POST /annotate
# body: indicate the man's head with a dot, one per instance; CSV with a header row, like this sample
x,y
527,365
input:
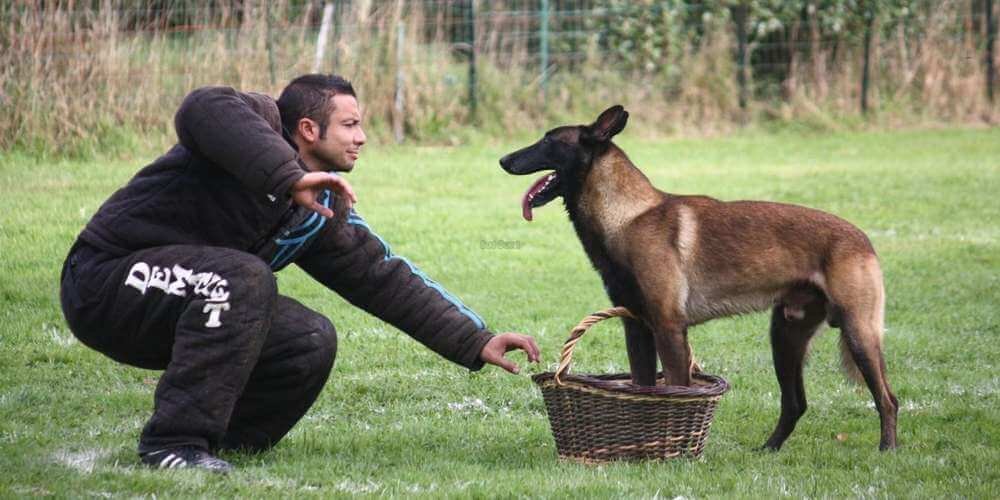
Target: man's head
x,y
321,116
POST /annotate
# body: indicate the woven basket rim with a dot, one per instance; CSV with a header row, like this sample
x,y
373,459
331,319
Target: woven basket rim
x,y
712,386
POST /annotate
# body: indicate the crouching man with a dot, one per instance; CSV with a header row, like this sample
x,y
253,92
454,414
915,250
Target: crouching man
x,y
175,271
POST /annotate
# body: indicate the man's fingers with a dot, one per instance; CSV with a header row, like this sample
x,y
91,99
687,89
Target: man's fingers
x,y
327,180
526,344
497,347
322,210
508,365
313,180
346,189
339,184
307,189
494,357
534,354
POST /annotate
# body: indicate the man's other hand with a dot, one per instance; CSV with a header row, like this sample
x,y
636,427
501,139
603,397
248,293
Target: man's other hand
x,y
306,191
494,350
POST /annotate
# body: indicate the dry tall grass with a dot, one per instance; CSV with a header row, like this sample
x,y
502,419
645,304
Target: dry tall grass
x,y
77,79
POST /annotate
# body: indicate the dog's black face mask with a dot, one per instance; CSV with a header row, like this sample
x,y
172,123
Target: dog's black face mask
x,y
568,151
558,150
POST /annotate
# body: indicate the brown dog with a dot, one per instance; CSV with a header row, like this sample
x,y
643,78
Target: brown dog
x,y
677,261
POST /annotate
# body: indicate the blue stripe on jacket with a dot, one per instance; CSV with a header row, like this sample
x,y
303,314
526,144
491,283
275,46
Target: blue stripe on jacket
x,y
356,220
299,235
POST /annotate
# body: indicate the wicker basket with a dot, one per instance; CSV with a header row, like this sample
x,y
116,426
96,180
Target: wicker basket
x,y
599,418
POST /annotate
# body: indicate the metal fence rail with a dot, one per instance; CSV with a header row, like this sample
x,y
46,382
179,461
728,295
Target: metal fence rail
x,y
768,51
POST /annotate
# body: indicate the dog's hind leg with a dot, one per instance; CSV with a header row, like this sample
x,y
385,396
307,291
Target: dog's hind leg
x,y
859,299
789,344
641,352
857,340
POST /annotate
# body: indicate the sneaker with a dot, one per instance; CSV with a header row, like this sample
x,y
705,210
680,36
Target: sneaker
x,y
183,457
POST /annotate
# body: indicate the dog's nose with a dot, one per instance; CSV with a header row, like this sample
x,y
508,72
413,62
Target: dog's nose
x,y
505,161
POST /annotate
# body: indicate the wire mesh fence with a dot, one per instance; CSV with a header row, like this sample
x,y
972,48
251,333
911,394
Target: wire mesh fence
x,y
429,69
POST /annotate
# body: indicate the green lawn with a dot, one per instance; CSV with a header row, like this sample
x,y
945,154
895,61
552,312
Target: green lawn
x,y
394,419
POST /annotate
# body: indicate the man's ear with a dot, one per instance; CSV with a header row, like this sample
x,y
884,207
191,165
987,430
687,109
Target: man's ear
x,y
308,130
609,124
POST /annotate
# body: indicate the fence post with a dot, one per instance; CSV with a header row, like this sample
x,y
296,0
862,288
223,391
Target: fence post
x,y
338,16
543,47
268,42
324,31
397,108
866,71
740,17
470,19
991,38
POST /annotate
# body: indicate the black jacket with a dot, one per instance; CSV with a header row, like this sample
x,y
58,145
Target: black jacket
x,y
226,184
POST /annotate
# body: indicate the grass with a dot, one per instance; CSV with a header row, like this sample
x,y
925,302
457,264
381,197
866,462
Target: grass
x,y
396,420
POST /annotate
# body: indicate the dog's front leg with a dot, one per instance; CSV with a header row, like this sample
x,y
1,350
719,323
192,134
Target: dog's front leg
x,y
675,354
669,328
660,278
641,352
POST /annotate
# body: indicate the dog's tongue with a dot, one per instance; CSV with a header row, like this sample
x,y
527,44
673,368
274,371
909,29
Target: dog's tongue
x,y
532,192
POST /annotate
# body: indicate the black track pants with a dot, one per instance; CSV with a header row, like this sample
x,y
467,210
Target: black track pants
x,y
241,363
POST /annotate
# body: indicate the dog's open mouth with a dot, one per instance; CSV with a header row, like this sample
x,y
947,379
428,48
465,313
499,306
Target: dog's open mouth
x,y
541,192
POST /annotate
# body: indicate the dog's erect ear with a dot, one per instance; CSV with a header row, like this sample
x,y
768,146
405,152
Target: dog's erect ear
x,y
611,121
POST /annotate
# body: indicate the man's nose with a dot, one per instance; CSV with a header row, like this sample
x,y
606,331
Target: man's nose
x,y
361,138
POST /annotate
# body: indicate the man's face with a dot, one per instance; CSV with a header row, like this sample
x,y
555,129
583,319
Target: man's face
x,y
341,145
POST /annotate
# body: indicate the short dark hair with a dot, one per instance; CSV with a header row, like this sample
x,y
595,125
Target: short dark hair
x,y
311,96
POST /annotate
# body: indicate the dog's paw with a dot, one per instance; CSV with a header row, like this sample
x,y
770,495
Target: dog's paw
x,y
768,447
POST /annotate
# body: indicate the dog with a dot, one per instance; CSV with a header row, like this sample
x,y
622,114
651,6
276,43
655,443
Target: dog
x,y
678,261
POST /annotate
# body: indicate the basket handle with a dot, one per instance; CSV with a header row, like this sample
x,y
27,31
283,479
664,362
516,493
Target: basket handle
x,y
574,336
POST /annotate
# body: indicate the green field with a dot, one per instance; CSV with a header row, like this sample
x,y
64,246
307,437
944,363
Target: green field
x,y
394,419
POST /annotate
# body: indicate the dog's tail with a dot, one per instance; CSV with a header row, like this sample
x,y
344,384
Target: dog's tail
x,y
872,328
847,364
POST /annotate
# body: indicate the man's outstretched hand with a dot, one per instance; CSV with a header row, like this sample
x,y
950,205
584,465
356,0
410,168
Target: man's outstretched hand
x,y
306,191
494,350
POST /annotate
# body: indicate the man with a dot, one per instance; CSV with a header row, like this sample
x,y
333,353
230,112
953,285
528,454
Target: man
x,y
175,271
